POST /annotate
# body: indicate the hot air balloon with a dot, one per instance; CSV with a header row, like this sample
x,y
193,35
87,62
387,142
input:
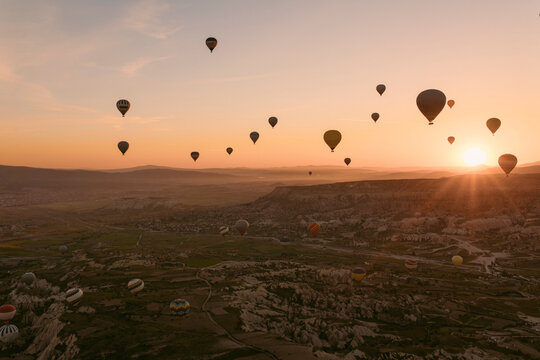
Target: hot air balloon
x,y
28,278
347,161
123,146
451,139
194,155
8,333
381,89
430,103
135,285
507,162
451,103
457,260
7,312
179,307
332,138
272,121
123,106
63,249
241,226
314,228
211,43
223,230
493,125
411,264
229,150
285,240
310,173
358,274
73,296
254,136
375,116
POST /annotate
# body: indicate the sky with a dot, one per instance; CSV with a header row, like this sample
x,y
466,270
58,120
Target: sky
x,y
312,64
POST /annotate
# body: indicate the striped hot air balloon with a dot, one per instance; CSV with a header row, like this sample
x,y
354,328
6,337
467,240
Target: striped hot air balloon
x,y
74,295
7,312
358,274
411,264
123,106
8,333
179,307
314,228
224,230
135,285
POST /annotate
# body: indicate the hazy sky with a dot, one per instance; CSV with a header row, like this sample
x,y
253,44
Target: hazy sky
x,y
312,64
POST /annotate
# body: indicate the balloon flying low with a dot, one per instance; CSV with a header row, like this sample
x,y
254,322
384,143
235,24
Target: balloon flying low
x,y
123,106
451,139
375,116
457,260
135,285
272,121
28,278
74,295
63,249
241,226
507,162
314,228
211,43
223,230
493,125
430,103
411,264
123,146
179,307
7,312
195,155
332,138
8,333
381,88
358,274
254,136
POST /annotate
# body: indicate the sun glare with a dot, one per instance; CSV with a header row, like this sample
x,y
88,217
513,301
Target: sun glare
x,y
474,156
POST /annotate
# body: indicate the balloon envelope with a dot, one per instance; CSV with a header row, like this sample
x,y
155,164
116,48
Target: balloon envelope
x,y
135,285
7,312
194,155
74,295
310,173
229,150
285,240
457,260
123,106
451,139
272,121
332,138
507,162
28,278
411,264
223,230
381,88
314,228
254,136
179,307
493,125
347,161
358,274
451,103
430,103
123,146
8,333
375,116
211,43
241,226
63,249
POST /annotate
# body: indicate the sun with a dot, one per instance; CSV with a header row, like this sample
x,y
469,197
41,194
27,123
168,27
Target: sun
x,y
474,156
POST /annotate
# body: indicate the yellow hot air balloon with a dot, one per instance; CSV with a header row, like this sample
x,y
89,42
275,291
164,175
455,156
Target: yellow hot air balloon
x,y
358,274
493,125
332,138
430,103
451,103
457,260
507,162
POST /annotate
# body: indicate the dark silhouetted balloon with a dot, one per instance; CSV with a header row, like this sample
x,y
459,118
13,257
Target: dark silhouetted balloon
x,y
241,226
493,125
507,162
254,136
123,106
272,121
451,139
195,155
375,116
347,161
381,88
451,103
430,103
123,146
310,173
211,43
332,138
229,150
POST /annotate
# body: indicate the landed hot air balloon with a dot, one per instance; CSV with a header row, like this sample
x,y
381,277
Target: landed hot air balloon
x,y
381,88
254,136
28,278
229,150
411,264
285,240
332,138
430,103
493,125
314,228
241,226
347,161
211,43
310,173
63,249
194,155
272,121
123,106
224,230
123,146
375,116
179,307
8,333
7,312
457,260
507,162
451,103
74,295
451,139
358,274
135,285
